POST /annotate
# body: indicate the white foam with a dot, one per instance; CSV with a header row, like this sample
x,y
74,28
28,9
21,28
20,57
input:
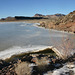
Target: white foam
x,y
17,50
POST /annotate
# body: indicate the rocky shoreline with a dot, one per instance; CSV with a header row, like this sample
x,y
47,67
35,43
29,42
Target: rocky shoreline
x,y
63,23
58,21
41,63
56,27
70,27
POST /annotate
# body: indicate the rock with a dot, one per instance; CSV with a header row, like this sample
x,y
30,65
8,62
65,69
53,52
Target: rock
x,y
39,15
71,72
42,24
48,73
70,65
3,64
56,73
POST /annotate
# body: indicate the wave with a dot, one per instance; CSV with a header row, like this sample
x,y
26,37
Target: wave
x,y
18,50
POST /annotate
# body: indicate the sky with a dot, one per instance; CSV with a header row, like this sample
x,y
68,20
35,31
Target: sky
x,y
31,7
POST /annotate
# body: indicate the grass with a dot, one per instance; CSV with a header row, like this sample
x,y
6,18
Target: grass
x,y
66,46
23,69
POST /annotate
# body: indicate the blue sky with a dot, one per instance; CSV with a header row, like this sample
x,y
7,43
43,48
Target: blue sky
x,y
31,7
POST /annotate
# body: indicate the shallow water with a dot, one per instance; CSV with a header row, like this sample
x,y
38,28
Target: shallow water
x,y
17,37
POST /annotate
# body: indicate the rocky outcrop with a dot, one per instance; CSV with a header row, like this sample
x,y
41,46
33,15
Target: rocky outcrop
x,y
63,23
66,23
37,64
39,15
59,15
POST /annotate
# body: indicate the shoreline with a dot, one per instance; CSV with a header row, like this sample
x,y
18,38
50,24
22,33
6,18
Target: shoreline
x,y
24,50
36,62
41,62
56,30
36,24
40,24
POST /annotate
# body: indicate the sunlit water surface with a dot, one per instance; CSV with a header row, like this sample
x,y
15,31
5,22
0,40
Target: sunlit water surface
x,y
18,37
